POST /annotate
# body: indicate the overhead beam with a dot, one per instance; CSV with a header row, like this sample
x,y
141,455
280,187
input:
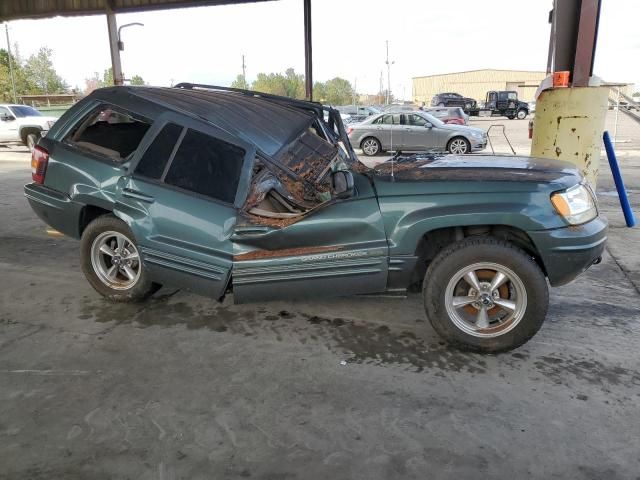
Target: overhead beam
x,y
22,9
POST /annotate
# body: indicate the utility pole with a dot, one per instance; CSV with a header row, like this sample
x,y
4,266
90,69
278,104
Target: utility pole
x,y
355,91
244,74
388,74
13,80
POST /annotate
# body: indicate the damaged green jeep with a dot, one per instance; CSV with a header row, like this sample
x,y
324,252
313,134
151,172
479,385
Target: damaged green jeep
x,y
216,190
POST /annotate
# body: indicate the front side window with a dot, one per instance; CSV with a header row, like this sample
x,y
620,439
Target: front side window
x,y
417,120
108,132
206,165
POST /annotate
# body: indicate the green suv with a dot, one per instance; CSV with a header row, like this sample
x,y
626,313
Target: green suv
x,y
217,190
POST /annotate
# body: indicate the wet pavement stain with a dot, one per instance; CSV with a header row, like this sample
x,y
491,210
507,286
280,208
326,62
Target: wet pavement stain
x,y
354,341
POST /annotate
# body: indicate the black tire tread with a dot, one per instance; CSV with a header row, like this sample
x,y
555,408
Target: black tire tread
x,y
495,345
142,290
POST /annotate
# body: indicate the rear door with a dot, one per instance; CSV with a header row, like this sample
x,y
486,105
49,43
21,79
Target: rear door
x,y
181,200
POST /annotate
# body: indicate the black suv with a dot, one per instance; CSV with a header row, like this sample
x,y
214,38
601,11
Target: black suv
x,y
453,100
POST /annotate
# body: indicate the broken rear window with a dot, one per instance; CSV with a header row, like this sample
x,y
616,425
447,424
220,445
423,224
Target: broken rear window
x,y
109,132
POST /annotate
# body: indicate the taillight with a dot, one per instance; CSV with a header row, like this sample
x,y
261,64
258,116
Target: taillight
x,y
349,130
39,160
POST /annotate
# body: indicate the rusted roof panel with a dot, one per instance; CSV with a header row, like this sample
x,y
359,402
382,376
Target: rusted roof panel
x,y
19,9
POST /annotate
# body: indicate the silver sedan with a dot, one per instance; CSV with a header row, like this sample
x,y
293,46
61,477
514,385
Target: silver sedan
x,y
414,131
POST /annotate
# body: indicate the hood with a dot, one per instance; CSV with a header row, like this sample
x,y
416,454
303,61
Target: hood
x,y
481,169
462,129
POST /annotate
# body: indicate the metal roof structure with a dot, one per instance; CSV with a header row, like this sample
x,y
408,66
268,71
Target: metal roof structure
x,y
22,9
26,9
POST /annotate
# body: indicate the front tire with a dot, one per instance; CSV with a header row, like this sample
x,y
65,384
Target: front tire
x,y
485,295
111,261
521,115
31,140
459,146
371,146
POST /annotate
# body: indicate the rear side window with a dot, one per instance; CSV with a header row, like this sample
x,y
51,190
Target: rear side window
x,y
207,166
108,132
155,158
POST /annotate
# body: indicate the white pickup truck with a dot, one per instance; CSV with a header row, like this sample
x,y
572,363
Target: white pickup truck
x,y
22,123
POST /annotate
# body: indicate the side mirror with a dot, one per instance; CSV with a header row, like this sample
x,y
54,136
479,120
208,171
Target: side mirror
x,y
428,125
343,184
6,117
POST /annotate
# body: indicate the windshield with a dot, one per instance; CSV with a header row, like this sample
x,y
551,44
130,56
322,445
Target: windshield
x,y
20,111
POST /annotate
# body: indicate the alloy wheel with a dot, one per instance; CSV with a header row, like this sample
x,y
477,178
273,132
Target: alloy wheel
x,y
115,260
485,300
370,146
458,146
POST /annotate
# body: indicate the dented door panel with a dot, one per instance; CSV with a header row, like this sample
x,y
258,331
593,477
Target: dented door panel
x,y
339,249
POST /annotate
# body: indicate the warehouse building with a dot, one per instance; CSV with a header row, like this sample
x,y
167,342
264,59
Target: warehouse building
x,y
476,84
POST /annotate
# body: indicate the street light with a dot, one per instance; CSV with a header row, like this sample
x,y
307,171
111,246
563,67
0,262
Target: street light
x,y
120,81
388,74
120,42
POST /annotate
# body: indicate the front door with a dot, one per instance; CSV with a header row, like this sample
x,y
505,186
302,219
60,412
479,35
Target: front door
x,y
8,127
418,133
181,202
341,249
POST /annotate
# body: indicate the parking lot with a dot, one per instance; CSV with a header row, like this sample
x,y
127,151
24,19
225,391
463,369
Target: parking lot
x,y
359,388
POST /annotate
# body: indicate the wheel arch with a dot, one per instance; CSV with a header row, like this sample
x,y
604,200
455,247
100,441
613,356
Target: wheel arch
x,y
88,214
434,241
25,130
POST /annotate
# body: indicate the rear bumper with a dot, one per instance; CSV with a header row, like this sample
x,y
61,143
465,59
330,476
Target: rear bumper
x,y
54,208
567,252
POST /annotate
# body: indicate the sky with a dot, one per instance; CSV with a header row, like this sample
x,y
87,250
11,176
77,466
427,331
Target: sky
x,y
206,44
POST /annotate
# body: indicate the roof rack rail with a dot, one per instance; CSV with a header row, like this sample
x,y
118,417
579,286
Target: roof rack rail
x,y
251,93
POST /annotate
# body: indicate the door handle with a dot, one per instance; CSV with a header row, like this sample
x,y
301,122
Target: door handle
x,y
247,230
130,193
408,129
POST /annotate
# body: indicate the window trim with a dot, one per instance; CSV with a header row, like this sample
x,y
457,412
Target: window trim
x,y
155,130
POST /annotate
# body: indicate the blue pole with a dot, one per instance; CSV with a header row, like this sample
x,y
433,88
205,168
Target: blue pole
x,y
617,178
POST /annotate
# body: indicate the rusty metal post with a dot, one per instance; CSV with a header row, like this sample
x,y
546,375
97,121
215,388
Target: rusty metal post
x,y
112,28
569,122
586,42
308,61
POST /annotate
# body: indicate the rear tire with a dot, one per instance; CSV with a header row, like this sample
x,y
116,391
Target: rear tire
x,y
111,261
459,146
371,146
513,311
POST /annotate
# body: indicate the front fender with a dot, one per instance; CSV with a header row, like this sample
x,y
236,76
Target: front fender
x,y
408,218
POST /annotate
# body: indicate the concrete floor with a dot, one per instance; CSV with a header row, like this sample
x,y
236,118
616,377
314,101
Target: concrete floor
x,y
359,388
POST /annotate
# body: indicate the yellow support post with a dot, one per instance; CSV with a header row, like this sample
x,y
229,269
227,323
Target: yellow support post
x,y
568,125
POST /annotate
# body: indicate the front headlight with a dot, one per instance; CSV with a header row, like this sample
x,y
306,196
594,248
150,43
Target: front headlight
x,y
576,204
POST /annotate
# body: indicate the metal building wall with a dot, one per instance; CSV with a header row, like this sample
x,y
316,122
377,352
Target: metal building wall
x,y
476,83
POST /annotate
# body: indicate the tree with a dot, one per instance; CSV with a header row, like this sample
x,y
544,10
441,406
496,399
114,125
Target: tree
x,y
338,91
288,85
240,82
137,80
39,69
319,92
